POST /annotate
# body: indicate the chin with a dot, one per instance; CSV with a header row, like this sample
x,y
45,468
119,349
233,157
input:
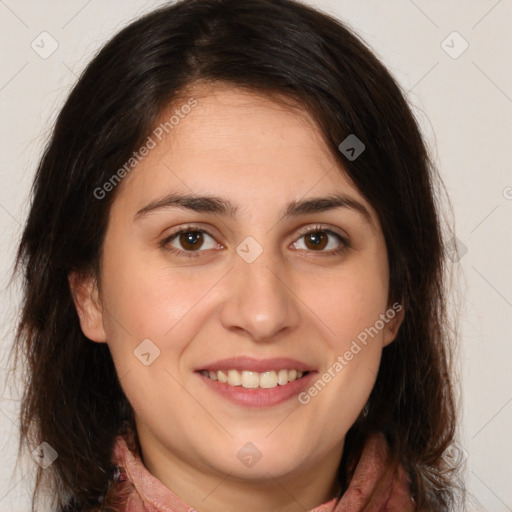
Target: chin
x,y
255,457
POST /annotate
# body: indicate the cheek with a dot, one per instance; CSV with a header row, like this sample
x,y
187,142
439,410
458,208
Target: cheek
x,y
354,339
149,299
143,299
353,347
147,305
348,302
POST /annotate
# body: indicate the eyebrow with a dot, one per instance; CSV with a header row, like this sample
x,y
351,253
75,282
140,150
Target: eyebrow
x,y
224,207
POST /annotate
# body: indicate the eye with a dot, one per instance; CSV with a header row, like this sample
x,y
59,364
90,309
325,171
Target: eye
x,y
191,239
318,238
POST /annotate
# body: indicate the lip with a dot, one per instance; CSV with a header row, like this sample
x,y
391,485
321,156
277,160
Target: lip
x,y
259,397
252,364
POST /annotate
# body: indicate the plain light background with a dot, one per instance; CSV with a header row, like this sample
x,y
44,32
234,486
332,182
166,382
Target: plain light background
x,y
463,99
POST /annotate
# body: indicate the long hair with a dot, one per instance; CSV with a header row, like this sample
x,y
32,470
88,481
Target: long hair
x,y
279,48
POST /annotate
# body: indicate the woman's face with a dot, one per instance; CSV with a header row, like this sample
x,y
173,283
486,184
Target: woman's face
x,y
244,283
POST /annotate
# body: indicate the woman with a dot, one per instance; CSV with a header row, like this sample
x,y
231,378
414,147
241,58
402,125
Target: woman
x,y
234,289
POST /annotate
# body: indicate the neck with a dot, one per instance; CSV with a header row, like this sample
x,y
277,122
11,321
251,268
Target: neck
x,y
311,485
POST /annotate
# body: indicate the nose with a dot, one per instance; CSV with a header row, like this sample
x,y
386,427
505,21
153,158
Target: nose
x,y
260,300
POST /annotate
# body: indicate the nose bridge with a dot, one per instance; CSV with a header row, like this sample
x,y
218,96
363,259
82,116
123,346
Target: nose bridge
x,y
258,299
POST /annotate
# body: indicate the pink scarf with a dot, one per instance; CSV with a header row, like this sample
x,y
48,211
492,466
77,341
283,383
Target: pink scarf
x,y
377,484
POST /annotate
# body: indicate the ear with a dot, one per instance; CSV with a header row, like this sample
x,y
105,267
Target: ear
x,y
393,324
85,294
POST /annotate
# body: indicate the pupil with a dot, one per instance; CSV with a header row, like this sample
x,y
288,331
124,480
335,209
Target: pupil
x,y
192,238
318,240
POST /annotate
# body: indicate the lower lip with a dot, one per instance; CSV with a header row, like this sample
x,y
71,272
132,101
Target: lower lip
x,y
259,397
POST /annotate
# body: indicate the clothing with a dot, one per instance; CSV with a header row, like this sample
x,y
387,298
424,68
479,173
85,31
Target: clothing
x,y
377,484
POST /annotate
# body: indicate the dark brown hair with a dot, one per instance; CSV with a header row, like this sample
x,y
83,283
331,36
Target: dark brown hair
x,y
73,399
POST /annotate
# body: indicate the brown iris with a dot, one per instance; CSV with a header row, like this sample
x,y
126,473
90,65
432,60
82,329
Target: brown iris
x,y
318,239
191,240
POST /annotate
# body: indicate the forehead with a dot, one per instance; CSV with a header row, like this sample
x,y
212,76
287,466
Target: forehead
x,y
237,125
240,144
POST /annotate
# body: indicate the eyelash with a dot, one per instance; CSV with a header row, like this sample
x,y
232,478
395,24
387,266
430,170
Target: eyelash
x,y
194,254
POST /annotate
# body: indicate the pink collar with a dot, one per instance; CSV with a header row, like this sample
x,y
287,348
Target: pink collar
x,y
377,484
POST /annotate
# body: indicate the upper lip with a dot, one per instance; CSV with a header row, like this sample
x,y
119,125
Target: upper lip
x,y
241,363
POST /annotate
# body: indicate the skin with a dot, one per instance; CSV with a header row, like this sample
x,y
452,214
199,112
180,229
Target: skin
x,y
293,301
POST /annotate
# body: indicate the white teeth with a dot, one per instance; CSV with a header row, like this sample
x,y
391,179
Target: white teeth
x,y
282,377
250,379
268,380
253,380
234,378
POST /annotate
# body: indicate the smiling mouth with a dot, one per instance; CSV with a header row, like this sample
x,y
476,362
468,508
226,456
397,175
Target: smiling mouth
x,y
254,380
